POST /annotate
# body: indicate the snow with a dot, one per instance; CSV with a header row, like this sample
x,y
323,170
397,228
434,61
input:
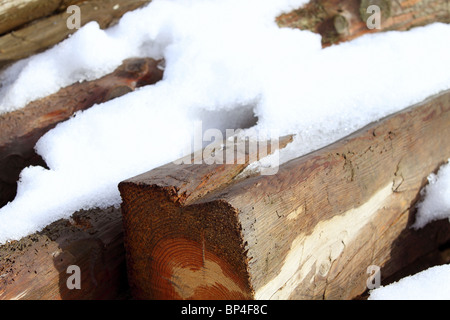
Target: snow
x,y
227,65
431,284
436,202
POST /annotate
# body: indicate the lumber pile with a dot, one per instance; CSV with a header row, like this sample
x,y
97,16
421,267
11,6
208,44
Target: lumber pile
x,y
308,232
202,231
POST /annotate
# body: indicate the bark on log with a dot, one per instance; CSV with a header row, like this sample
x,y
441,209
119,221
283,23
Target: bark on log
x,y
342,20
21,129
36,267
44,33
308,232
15,13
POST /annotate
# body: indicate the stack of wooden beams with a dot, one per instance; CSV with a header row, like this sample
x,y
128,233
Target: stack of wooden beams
x,y
201,231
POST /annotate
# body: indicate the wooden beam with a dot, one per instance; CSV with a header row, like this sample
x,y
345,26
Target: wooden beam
x,y
21,129
308,232
343,20
37,266
44,33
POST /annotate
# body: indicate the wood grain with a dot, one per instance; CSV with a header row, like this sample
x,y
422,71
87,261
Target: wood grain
x,y
197,243
308,232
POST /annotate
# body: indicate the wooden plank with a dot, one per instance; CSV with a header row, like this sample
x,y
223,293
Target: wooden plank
x,y
21,129
342,20
36,267
15,13
308,232
44,33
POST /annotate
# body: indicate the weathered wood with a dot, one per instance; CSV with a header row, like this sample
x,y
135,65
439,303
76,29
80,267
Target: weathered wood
x,y
308,232
15,13
36,267
44,33
342,20
21,129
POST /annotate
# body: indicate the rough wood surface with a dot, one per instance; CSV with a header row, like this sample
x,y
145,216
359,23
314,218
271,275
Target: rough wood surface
x,y
44,33
21,129
180,245
15,13
35,268
341,20
308,232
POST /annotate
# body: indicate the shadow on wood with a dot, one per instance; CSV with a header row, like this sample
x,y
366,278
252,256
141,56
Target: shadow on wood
x,y
36,267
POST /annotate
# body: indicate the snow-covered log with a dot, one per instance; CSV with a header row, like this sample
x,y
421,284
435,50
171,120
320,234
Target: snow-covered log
x,y
311,231
21,129
342,20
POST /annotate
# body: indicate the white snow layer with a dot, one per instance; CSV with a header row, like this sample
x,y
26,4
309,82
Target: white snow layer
x,y
431,284
224,59
436,202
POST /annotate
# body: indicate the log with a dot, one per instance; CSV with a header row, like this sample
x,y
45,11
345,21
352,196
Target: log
x,y
36,267
15,13
343,20
44,33
308,232
21,129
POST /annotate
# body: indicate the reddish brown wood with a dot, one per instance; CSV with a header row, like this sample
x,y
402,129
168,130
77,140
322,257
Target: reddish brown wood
x,y
198,242
21,129
342,20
